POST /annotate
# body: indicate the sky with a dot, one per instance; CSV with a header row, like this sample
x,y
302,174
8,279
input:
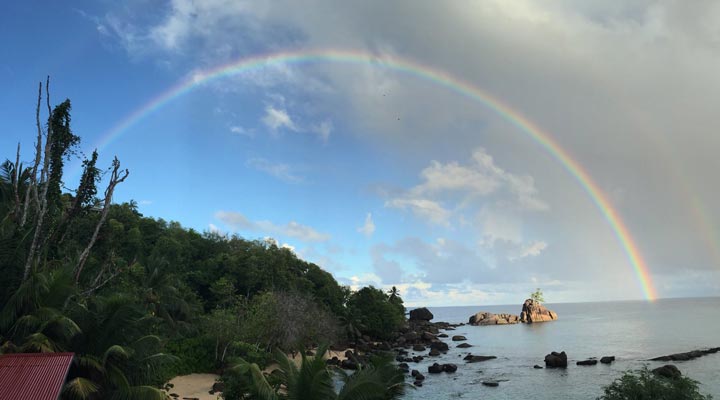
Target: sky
x,y
381,175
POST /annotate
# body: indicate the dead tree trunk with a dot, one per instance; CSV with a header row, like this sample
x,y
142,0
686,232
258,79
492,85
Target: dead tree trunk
x,y
32,187
116,178
45,182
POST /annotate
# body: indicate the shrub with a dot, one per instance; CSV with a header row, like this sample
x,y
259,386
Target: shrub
x,y
645,385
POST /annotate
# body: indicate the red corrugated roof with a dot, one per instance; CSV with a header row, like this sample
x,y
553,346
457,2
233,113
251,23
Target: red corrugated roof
x,y
36,376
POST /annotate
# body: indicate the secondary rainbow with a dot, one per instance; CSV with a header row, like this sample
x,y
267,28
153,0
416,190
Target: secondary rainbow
x,y
421,71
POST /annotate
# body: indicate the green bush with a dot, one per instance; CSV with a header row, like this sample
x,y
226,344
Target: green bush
x,y
376,315
645,385
196,354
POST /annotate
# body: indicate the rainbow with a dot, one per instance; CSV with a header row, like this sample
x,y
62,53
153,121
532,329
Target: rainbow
x,y
424,72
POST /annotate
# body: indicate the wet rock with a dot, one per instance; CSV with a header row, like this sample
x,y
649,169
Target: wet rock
x,y
449,367
458,338
434,353
421,314
463,345
418,383
587,362
440,346
491,383
428,336
556,360
435,368
473,359
537,366
607,359
533,311
687,356
488,318
668,371
442,335
418,347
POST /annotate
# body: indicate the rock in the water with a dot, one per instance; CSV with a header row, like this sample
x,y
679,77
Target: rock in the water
x,y
487,318
533,311
418,383
435,368
668,371
491,383
607,359
458,338
434,353
442,335
537,366
449,367
418,347
440,346
473,359
556,360
421,314
587,362
686,356
463,345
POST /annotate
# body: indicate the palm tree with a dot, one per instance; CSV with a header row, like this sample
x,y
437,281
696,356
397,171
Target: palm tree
x,y
313,379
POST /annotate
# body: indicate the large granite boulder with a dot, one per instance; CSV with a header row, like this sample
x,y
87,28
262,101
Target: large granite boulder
x,y
668,371
533,311
556,360
420,314
487,318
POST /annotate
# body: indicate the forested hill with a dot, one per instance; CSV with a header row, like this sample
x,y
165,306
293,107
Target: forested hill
x,y
138,299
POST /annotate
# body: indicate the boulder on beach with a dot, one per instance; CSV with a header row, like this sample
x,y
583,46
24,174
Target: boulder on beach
x,y
458,338
420,314
556,360
607,359
488,318
533,311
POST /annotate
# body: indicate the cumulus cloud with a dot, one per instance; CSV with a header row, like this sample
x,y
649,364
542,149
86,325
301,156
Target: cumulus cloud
x,y
292,229
423,208
278,170
276,118
368,228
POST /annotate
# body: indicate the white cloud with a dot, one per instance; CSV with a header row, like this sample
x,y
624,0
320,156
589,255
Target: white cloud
x,y
276,118
237,129
292,229
423,208
530,250
323,130
368,228
278,170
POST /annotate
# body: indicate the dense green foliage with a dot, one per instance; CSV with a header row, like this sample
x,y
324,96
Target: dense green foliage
x,y
139,299
313,379
537,296
644,385
378,315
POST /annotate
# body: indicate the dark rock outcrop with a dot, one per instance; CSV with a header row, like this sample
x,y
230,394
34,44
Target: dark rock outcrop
x,y
458,338
418,347
668,371
556,360
463,345
687,356
533,311
435,368
421,314
607,359
440,346
449,367
587,362
473,359
434,353
487,318
491,383
537,366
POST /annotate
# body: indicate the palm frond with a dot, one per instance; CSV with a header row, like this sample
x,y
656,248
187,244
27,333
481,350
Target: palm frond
x,y
80,389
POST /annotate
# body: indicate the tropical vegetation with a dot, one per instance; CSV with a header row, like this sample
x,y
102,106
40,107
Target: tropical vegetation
x,y
139,299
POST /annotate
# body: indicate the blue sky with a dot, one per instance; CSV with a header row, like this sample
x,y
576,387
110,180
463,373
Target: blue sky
x,y
386,179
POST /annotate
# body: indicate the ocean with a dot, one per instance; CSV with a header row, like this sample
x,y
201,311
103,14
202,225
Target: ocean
x,y
632,331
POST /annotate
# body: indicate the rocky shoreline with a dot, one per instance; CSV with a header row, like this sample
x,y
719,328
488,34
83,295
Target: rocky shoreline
x,y
420,335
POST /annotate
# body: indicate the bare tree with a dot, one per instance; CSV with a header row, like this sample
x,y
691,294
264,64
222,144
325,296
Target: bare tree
x,y
116,177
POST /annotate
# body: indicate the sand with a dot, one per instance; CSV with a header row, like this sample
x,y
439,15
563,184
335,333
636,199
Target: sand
x,y
195,386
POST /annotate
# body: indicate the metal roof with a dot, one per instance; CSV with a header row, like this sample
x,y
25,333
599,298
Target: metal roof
x,y
33,376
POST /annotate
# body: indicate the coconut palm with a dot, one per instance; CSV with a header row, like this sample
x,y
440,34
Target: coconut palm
x,y
313,379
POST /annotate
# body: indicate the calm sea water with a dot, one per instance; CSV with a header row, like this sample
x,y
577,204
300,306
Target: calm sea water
x,y
632,331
